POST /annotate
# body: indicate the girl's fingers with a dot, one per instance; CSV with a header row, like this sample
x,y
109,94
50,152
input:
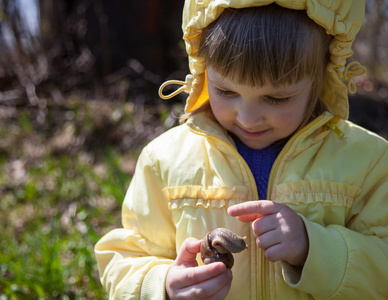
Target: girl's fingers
x,y
213,288
252,210
248,218
191,276
268,239
218,287
187,280
188,252
264,224
223,292
275,252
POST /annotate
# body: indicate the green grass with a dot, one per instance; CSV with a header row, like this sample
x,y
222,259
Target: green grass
x,y
61,189
50,225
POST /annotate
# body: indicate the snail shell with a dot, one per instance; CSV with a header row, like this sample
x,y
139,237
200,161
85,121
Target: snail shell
x,y
219,244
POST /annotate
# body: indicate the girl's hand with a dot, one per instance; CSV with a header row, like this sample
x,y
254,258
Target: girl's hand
x,y
279,231
187,280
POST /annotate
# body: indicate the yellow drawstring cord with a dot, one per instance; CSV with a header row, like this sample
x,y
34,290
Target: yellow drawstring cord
x,y
352,70
186,87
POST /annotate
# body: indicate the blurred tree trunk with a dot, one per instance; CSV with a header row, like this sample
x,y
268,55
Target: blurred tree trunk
x,y
80,42
51,19
147,30
372,42
378,12
21,55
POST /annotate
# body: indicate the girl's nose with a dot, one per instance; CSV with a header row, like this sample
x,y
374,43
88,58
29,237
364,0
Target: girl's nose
x,y
249,116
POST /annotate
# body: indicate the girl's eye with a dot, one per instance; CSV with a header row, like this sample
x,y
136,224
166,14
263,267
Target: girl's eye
x,y
277,100
225,93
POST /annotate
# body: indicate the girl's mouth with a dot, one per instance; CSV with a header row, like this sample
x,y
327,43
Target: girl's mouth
x,y
252,134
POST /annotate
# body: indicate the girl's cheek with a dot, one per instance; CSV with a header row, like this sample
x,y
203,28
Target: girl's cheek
x,y
292,112
284,116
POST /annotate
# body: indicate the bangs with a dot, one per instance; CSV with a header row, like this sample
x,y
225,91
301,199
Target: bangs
x,y
268,44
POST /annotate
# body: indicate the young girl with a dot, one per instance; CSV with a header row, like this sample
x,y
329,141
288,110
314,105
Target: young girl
x,y
267,153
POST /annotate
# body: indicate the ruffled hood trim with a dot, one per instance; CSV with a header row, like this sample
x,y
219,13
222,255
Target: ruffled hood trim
x,y
342,19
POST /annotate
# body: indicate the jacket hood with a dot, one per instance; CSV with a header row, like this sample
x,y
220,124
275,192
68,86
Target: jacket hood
x,y
342,19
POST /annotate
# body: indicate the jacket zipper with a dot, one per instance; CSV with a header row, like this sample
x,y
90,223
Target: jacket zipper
x,y
274,171
258,265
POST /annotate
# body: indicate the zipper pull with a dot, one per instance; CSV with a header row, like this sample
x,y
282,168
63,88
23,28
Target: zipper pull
x,y
336,130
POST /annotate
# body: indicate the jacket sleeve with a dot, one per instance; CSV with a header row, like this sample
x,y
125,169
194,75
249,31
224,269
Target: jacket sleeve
x,y
350,262
133,261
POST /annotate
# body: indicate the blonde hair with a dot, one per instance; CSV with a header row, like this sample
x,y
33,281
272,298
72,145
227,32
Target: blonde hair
x,y
268,44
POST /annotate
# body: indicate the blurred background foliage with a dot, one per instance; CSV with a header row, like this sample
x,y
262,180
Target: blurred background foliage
x,y
78,100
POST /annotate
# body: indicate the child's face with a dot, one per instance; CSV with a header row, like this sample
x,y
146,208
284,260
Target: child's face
x,y
258,116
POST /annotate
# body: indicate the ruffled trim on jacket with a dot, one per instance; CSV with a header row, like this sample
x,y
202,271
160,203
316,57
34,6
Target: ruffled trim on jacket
x,y
196,196
316,191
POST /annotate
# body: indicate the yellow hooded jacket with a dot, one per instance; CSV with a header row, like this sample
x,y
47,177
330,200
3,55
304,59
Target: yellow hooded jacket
x,y
331,172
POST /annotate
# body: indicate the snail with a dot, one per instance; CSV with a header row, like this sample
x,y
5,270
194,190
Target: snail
x,y
219,244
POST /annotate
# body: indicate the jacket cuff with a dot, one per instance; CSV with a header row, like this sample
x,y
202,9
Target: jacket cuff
x,y
325,265
154,283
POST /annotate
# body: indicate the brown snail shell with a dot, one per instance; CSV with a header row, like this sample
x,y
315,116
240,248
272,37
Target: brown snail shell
x,y
219,244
